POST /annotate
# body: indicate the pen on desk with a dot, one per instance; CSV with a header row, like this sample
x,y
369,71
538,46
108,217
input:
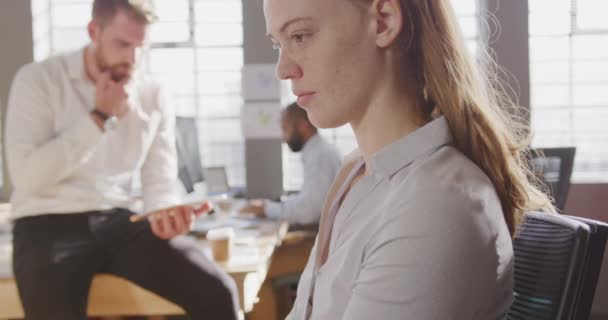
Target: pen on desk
x,y
205,207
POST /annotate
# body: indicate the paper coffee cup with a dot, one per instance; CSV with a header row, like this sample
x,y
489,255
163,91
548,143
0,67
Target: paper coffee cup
x,y
221,242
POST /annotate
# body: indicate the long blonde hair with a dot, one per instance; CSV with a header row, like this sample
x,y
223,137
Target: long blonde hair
x,y
484,122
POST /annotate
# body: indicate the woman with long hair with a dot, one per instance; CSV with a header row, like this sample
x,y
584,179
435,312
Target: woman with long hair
x,y
419,221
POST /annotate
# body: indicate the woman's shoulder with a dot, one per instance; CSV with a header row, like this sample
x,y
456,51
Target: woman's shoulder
x,y
449,169
447,186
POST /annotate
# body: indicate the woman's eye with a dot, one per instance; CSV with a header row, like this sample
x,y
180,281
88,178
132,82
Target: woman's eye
x,y
298,37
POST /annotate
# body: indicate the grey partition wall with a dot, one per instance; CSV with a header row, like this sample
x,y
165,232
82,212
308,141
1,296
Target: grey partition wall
x,y
506,31
263,157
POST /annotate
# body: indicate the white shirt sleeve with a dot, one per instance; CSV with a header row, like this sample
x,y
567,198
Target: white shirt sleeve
x,y
419,268
38,157
159,170
305,207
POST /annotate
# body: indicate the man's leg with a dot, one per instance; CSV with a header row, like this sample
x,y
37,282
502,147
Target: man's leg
x,y
53,261
176,270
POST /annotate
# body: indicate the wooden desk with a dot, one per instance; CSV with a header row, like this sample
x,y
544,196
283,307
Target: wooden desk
x,y
291,257
112,296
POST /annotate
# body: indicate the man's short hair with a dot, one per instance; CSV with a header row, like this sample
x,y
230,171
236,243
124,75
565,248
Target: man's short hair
x,y
142,10
294,112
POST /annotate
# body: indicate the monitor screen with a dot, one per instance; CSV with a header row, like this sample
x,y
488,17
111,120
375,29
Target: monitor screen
x,y
217,180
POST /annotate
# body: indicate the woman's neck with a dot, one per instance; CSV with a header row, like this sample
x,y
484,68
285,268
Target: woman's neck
x,y
390,116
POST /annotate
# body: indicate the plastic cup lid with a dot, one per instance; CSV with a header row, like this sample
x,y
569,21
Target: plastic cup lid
x,y
220,233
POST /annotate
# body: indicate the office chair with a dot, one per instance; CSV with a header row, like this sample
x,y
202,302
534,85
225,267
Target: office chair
x,y
557,264
190,169
595,254
554,168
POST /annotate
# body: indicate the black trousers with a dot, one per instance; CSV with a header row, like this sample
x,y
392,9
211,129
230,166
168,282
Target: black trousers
x,y
56,256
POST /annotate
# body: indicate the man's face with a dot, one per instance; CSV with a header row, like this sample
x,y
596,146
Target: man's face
x,y
118,42
291,134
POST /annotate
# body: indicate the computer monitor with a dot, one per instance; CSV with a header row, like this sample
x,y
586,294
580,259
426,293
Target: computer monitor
x,y
217,180
190,168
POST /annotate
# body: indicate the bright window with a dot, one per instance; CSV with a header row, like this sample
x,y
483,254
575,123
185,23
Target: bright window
x,y
569,81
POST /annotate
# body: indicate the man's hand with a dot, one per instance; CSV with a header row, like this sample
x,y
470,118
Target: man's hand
x,y
171,222
111,96
256,207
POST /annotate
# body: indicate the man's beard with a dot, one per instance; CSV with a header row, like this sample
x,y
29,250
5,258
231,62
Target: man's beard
x,y
295,142
118,71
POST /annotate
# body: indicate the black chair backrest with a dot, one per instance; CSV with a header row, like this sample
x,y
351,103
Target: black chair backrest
x,y
593,266
554,167
190,169
554,262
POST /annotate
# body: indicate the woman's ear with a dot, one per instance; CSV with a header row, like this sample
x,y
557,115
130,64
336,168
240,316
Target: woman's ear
x,y
389,21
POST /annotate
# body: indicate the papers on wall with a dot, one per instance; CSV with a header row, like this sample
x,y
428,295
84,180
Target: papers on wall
x,y
261,121
259,83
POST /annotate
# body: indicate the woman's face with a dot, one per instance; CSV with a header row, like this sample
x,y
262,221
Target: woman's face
x,y
328,52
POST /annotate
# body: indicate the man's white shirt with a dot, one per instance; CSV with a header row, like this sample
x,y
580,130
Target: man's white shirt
x,y
60,161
